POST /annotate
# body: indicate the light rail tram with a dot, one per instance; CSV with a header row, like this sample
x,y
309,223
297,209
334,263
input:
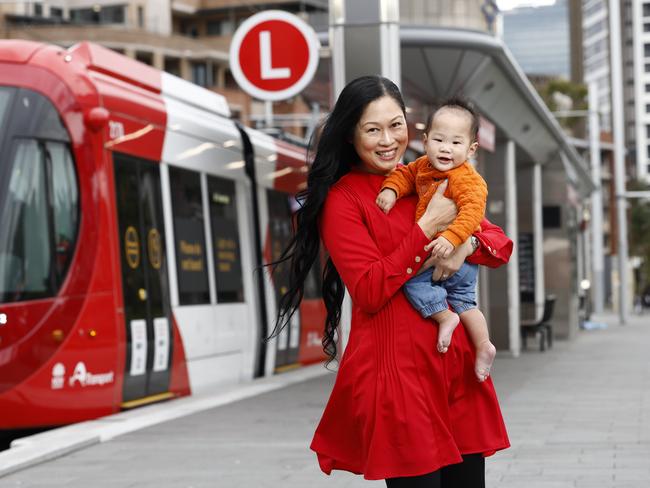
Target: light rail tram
x,y
133,213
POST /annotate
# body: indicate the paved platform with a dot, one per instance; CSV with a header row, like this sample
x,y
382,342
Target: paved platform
x,y
578,416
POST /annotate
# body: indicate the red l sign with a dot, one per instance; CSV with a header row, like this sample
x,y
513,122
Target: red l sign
x,y
273,55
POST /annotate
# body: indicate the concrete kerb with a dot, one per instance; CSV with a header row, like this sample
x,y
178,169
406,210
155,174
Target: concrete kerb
x,y
38,448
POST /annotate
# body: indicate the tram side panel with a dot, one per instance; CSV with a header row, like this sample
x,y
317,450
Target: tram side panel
x,y
208,239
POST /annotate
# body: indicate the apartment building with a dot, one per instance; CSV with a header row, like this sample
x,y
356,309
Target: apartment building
x,y
188,38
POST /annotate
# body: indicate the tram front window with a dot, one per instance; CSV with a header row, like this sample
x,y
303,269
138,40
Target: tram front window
x,y
24,253
38,199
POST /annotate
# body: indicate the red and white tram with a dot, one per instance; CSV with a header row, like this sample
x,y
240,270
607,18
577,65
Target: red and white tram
x,y
133,212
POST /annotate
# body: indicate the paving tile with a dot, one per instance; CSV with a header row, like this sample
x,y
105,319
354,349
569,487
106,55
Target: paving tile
x,y
569,428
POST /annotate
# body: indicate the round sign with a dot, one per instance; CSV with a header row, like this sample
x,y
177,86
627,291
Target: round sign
x,y
132,247
274,55
155,248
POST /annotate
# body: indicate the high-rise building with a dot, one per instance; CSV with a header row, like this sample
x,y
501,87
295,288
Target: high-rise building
x,y
596,67
639,20
538,38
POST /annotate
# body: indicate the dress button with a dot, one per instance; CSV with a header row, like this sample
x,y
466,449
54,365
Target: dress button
x,y
409,270
418,259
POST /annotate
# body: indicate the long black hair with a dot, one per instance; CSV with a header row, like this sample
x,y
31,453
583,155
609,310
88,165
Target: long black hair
x,y
333,155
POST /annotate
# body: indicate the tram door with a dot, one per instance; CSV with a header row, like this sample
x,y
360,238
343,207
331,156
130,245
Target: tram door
x,y
280,232
144,278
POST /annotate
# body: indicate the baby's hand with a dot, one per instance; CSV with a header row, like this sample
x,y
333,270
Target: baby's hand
x,y
386,199
440,247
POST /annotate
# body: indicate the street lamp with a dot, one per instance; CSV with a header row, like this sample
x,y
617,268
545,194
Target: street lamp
x,y
598,259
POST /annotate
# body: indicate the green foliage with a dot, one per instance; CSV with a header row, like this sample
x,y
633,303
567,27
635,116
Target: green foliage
x,y
639,231
576,91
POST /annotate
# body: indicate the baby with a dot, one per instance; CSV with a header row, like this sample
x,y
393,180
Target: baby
x,y
450,139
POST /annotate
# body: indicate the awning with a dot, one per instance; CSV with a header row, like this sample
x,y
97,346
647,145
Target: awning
x,y
439,62
444,61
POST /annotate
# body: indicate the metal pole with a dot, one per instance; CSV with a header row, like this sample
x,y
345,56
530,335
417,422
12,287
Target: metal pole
x,y
513,264
538,243
598,259
616,66
268,114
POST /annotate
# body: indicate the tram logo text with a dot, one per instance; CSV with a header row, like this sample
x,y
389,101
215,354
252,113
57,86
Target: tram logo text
x,y
80,376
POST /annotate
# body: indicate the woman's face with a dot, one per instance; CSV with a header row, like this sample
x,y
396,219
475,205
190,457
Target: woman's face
x,y
380,137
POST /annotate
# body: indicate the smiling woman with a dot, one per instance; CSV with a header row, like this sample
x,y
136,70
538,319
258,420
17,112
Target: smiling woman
x,y
381,136
399,409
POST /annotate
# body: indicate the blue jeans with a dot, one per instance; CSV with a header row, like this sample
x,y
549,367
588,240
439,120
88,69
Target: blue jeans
x,y
430,297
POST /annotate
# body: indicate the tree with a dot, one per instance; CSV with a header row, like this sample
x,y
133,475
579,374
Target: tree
x,y
556,91
639,232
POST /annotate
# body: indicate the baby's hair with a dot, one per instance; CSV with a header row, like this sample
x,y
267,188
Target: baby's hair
x,y
457,103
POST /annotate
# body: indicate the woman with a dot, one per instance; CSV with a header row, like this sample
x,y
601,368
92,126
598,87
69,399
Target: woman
x,y
399,410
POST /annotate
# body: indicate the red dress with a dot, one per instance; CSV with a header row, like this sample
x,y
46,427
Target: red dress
x,y
398,407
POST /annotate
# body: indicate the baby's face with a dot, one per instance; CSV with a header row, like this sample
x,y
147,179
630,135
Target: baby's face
x,y
449,142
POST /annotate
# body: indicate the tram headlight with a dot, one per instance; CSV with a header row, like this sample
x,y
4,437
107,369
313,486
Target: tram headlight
x,y
3,318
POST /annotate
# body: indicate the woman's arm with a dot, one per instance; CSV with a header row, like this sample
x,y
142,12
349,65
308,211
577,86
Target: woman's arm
x,y
371,278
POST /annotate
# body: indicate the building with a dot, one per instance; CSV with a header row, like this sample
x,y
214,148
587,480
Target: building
x,y
637,22
189,39
539,39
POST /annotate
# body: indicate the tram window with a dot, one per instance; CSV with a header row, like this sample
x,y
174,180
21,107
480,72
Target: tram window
x,y
5,101
25,251
64,205
225,238
313,282
189,237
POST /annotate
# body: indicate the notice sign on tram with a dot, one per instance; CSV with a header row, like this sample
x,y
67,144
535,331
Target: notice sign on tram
x,y
274,55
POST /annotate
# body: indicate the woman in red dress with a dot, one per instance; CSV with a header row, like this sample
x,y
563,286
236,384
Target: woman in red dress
x,y
399,410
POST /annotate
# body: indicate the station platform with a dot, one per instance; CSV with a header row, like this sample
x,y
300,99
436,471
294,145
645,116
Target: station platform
x,y
578,415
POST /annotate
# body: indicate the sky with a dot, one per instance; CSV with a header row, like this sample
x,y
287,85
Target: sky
x,y
510,4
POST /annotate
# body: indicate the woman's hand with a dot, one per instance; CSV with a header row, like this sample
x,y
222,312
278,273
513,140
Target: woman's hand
x,y
440,212
445,267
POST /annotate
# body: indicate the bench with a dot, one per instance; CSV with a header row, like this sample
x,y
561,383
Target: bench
x,y
543,328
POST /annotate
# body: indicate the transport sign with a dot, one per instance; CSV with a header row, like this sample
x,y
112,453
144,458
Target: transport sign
x,y
274,55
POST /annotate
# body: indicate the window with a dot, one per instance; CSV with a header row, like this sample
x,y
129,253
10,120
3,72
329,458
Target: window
x,y
56,12
65,200
173,66
647,131
646,10
140,16
647,108
144,57
551,217
200,74
110,14
646,50
225,238
648,151
39,201
189,236
25,254
647,87
646,27
213,28
38,10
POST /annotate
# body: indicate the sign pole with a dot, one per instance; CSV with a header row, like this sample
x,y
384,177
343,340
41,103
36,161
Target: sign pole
x,y
268,114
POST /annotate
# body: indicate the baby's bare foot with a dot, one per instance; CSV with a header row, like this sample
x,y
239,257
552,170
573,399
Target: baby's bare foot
x,y
485,353
447,322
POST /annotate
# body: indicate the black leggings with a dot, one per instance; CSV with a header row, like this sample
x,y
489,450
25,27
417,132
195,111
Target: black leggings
x,y
468,474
